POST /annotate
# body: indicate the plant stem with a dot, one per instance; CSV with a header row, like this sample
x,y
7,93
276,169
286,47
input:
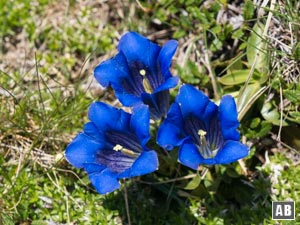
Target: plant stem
x,y
126,203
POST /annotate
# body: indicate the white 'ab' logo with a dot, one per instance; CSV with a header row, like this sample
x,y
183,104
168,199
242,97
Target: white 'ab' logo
x,y
283,210
286,211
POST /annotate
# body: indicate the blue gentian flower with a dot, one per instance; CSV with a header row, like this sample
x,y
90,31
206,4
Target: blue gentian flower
x,y
205,132
139,73
112,146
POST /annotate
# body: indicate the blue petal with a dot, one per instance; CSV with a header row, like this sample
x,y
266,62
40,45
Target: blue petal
x,y
169,133
106,117
158,103
165,57
111,71
228,118
149,100
169,83
146,163
125,138
91,130
140,123
232,151
127,99
115,161
93,168
82,150
193,101
162,99
138,48
189,156
105,181
115,72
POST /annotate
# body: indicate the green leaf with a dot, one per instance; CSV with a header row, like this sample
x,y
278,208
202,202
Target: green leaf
x,y
234,77
191,74
5,219
246,95
248,9
292,95
261,130
38,222
264,130
194,183
255,123
216,45
179,34
231,172
236,63
271,114
295,116
256,49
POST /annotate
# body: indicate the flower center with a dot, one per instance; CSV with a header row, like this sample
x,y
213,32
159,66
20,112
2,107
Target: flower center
x,y
124,142
146,83
204,148
121,151
207,137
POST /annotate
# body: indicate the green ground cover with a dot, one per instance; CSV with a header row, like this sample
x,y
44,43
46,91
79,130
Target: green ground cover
x,y
48,50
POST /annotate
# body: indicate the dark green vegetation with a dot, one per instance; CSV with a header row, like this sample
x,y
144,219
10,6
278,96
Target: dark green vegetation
x,y
48,50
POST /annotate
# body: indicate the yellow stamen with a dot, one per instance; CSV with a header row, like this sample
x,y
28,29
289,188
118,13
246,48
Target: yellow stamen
x,y
128,152
204,149
146,83
118,147
124,150
147,86
202,134
143,72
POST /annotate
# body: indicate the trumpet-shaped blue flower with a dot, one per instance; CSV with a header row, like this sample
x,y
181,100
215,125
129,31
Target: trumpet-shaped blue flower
x,y
113,146
205,132
139,73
